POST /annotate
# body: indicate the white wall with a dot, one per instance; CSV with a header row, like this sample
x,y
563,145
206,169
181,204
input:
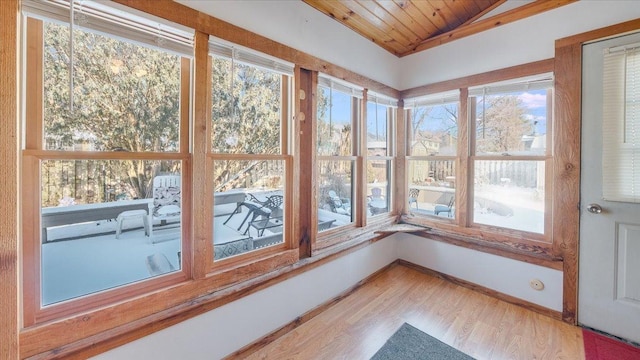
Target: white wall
x,y
296,24
299,26
501,274
228,328
523,41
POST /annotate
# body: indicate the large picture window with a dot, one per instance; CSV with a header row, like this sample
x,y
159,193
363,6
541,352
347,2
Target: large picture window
x,y
106,146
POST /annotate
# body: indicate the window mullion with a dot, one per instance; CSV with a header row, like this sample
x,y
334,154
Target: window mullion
x,y
464,171
202,182
360,133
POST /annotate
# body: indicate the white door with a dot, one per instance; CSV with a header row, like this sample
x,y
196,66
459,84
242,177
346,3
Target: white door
x,y
609,273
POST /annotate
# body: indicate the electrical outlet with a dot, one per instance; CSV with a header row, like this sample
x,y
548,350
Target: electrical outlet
x,y
536,284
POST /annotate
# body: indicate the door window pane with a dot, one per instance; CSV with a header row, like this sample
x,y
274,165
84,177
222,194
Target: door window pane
x,y
107,223
510,194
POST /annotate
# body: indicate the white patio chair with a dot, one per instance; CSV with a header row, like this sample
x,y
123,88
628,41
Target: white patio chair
x,y
166,198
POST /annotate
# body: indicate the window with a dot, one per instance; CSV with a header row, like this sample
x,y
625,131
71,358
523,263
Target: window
x,y
105,155
338,114
249,150
509,153
381,113
495,146
621,125
432,150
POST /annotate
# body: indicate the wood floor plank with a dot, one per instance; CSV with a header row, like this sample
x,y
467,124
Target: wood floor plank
x,y
479,325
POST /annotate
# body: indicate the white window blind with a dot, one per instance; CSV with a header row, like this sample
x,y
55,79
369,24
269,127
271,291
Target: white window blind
x,y
115,20
621,124
433,99
537,82
244,56
381,99
340,85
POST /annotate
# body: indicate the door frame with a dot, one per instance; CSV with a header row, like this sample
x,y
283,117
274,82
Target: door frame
x,y
566,164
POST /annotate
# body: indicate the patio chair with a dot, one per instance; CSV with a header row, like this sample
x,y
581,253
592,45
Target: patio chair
x,y
413,197
166,205
376,194
268,216
445,208
166,198
252,204
339,205
377,203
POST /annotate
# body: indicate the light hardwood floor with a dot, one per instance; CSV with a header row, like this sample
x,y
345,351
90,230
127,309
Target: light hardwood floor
x,y
479,325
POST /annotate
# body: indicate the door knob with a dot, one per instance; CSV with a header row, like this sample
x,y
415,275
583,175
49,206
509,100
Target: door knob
x,y
594,208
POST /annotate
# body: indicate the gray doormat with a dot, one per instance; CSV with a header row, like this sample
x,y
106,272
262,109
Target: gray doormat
x,y
410,343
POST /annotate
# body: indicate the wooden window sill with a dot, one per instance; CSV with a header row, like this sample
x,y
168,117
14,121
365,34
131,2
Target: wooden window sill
x,y
71,344
527,251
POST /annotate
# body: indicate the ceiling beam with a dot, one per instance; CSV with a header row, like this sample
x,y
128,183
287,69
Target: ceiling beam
x,y
519,13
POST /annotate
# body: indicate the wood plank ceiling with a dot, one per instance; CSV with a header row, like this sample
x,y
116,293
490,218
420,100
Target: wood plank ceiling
x,y
404,27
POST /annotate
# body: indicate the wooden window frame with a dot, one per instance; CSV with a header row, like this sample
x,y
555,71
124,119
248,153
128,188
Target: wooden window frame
x,y
547,159
457,160
204,288
389,158
484,235
35,152
335,235
255,261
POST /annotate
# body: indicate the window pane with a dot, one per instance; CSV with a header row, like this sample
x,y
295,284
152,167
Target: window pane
x,y
107,223
510,194
432,187
248,205
126,97
246,112
377,140
513,123
335,118
378,187
335,193
434,130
